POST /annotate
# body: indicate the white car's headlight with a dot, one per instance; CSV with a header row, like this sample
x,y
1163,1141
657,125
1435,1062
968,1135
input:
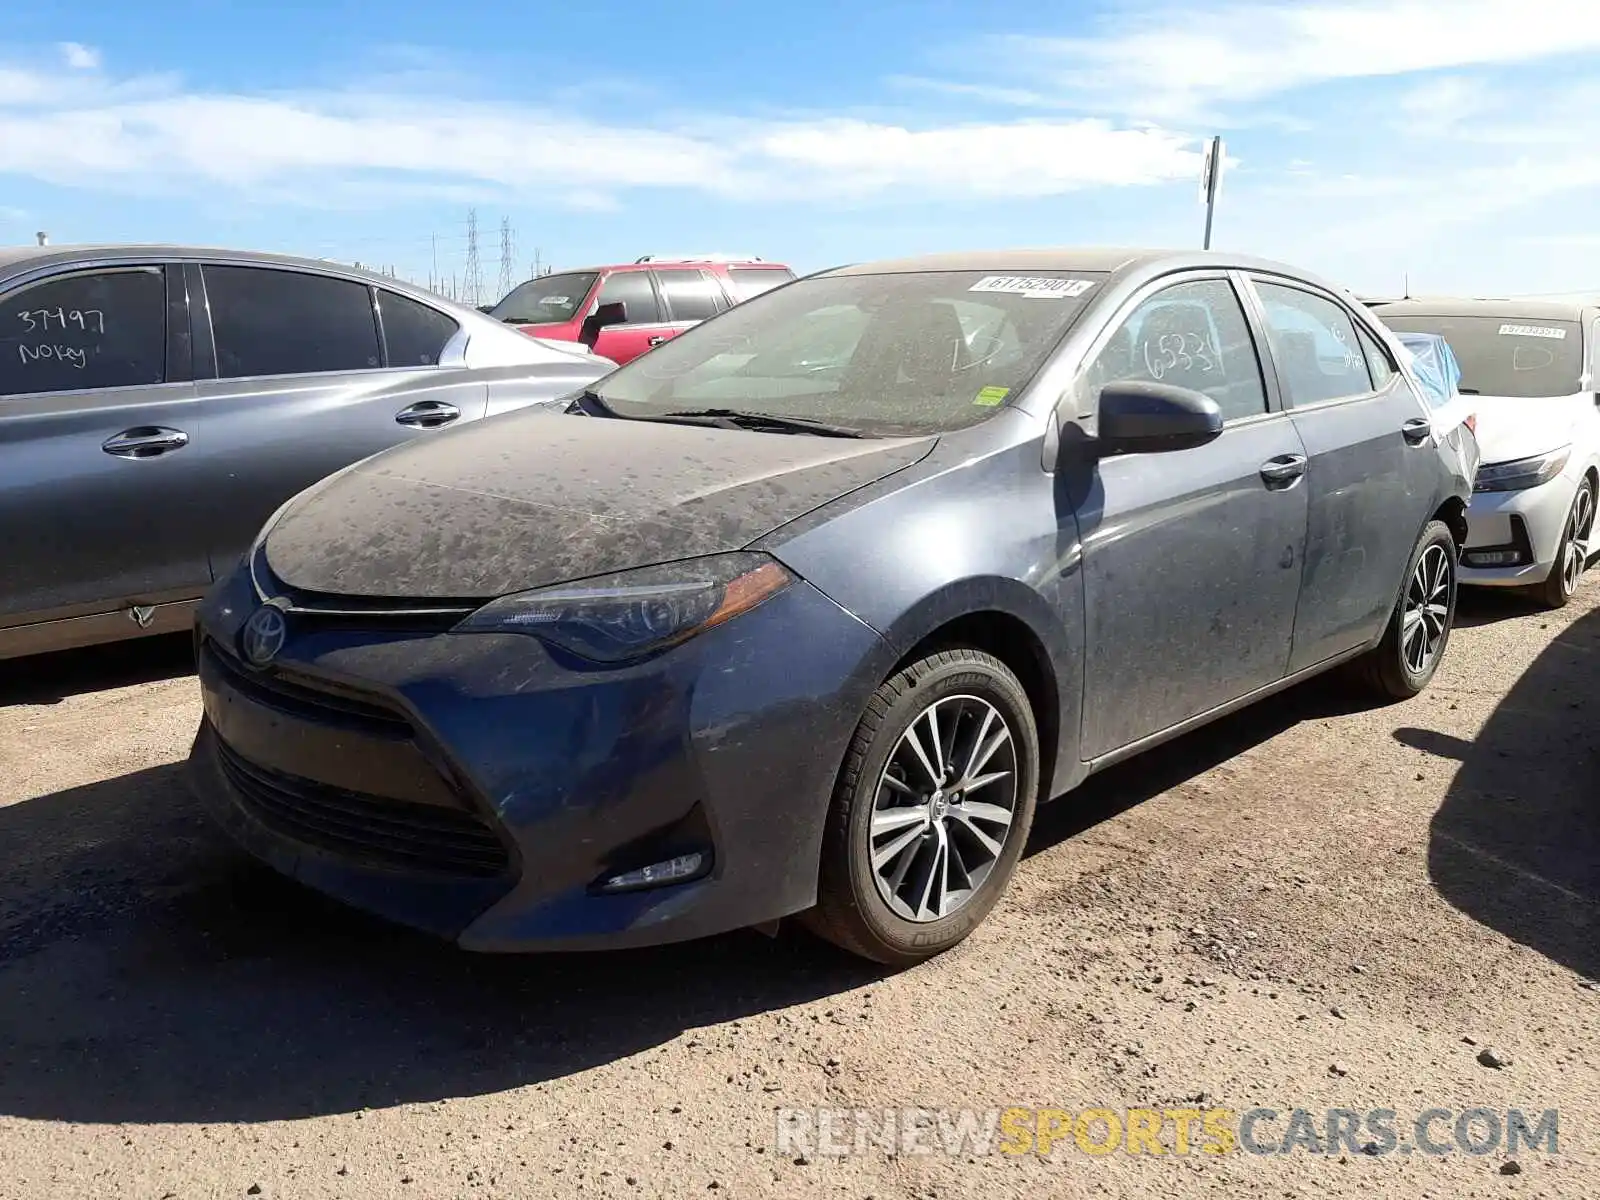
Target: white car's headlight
x,y
615,618
1521,473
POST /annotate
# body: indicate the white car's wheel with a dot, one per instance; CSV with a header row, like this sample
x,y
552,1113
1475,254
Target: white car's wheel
x,y
1572,559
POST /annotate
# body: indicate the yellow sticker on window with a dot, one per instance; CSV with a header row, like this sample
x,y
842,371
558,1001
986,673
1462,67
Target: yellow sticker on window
x,y
990,396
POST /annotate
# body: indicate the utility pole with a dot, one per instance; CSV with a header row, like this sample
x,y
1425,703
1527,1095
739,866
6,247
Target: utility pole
x,y
1210,182
473,284
537,262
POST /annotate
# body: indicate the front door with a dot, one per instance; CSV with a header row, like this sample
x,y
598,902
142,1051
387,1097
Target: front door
x,y
1191,559
1368,505
646,325
100,464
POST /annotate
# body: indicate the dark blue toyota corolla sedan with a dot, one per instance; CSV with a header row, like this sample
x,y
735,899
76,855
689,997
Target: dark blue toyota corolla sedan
x,y
804,611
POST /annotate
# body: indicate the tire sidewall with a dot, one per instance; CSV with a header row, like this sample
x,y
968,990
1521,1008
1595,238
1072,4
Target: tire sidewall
x,y
989,680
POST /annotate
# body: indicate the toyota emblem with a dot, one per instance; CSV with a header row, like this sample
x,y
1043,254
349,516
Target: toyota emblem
x,y
263,635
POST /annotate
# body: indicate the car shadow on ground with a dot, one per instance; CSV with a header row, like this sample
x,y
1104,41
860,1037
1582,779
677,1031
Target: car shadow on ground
x,y
1129,784
51,678
1516,843
151,973
1477,606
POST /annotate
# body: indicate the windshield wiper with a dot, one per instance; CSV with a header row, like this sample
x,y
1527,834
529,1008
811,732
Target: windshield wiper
x,y
733,418
591,398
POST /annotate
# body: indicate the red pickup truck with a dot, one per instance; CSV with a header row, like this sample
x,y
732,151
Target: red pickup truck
x,y
621,311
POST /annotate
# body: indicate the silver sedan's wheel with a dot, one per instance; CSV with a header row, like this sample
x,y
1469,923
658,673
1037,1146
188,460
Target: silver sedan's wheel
x,y
1575,548
944,808
1572,556
1427,610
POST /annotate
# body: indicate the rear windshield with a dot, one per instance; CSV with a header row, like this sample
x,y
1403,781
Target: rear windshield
x,y
547,300
1504,356
752,281
880,354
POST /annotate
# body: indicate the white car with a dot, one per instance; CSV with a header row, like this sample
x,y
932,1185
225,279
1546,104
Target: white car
x,y
1530,369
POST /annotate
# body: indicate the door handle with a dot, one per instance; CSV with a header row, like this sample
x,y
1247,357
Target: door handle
x,y
1283,470
1416,430
656,340
145,441
428,414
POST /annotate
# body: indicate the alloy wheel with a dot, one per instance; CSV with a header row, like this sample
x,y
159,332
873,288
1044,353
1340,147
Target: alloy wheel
x,y
1427,611
944,808
1580,524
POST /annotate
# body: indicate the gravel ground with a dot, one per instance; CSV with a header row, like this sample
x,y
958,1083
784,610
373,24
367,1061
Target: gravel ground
x,y
1312,904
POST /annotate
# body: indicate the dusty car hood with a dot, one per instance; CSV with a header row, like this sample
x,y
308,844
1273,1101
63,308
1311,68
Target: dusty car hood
x,y
531,498
1512,427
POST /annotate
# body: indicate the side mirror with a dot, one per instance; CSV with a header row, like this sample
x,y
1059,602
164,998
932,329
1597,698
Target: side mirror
x,y
1146,418
615,313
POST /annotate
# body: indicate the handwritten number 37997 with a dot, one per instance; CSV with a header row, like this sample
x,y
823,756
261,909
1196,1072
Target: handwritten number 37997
x,y
42,320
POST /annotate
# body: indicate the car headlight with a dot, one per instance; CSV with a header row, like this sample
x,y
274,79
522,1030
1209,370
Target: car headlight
x,y
614,618
1521,473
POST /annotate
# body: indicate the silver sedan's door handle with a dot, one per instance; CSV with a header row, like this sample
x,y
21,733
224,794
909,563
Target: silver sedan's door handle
x,y
1416,430
428,414
1283,470
145,441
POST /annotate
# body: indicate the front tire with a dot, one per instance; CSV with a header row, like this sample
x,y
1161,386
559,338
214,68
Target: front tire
x,y
1572,559
1401,665
931,811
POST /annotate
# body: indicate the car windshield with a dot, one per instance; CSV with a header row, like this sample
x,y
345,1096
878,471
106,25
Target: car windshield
x,y
550,299
1504,356
884,354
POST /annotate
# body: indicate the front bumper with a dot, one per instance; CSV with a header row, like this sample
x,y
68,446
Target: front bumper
x,y
475,787
1528,524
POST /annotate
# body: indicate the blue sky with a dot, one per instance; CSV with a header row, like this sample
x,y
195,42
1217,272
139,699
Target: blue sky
x,y
1448,141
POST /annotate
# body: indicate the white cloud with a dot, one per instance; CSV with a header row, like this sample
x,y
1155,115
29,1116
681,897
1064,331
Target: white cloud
x,y
80,57
153,135
1181,61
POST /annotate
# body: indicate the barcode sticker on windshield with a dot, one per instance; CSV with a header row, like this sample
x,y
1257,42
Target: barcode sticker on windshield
x,y
1544,331
1041,288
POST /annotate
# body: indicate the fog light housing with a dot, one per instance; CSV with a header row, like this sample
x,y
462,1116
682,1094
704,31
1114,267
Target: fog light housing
x,y
673,870
1491,558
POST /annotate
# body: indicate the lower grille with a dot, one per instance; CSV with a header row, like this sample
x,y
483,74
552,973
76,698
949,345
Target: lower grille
x,y
382,832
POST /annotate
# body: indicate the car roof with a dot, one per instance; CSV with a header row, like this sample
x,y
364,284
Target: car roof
x,y
1113,260
16,259
709,264
1511,308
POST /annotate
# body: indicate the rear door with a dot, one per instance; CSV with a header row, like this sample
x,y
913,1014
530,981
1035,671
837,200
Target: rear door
x,y
100,486
301,387
646,325
690,296
1372,471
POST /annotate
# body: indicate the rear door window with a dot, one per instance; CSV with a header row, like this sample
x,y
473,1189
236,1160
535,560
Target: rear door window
x,y
1314,345
690,295
413,334
633,289
752,281
94,329
273,322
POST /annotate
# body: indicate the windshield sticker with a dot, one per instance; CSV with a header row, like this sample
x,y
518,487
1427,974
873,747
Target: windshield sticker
x,y
556,300
990,396
1040,288
1544,331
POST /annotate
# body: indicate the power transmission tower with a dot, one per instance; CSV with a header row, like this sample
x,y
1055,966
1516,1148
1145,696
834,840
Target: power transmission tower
x,y
472,286
507,250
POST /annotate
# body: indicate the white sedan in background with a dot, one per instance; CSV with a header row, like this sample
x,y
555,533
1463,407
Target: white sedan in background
x,y
1530,370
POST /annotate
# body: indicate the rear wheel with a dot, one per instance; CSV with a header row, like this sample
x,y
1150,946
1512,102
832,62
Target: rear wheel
x,y
1572,559
1401,665
931,811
